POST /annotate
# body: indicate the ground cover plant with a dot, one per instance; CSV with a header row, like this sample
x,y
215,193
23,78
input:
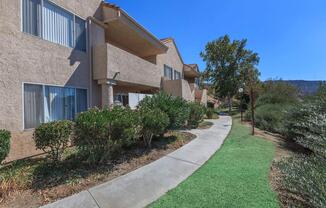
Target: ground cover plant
x,y
303,175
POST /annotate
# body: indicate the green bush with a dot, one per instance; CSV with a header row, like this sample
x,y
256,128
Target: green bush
x,y
270,117
124,127
271,106
304,176
4,144
196,115
175,107
53,138
277,92
210,113
92,133
154,122
100,133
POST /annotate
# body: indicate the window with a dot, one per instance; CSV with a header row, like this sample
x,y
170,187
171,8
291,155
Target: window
x,y
31,14
197,81
44,19
168,72
80,34
49,103
33,105
177,75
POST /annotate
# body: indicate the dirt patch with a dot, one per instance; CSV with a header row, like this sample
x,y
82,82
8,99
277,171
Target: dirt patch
x,y
284,148
205,125
45,190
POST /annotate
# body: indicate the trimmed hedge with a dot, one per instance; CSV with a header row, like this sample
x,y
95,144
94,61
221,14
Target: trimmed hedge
x,y
53,138
4,144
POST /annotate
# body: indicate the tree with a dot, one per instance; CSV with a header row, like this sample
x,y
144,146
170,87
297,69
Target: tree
x,y
224,62
249,76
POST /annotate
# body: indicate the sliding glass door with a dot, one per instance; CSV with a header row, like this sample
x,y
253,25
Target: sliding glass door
x,y
59,103
51,103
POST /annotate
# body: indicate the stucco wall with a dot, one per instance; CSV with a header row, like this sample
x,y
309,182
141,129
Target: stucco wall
x,y
109,59
171,58
178,88
26,58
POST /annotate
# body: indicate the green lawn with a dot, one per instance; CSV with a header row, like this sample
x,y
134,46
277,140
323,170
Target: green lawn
x,y
236,176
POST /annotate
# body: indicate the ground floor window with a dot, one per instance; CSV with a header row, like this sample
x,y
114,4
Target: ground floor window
x,y
50,103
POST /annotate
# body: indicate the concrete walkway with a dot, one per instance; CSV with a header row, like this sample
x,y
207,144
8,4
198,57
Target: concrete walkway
x,y
146,184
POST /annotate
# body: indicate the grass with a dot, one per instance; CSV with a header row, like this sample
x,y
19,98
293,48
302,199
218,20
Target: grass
x,y
236,176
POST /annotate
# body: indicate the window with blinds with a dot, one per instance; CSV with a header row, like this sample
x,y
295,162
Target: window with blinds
x,y
45,19
168,72
177,75
51,103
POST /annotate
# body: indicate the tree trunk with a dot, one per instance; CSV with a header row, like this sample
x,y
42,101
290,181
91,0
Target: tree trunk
x,y
230,103
252,99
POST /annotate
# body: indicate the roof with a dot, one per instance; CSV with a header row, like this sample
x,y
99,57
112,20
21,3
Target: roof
x,y
117,8
107,4
191,70
169,40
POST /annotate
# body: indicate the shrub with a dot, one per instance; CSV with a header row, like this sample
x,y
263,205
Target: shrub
x,y
196,115
124,127
270,117
4,144
210,113
305,176
277,92
92,133
154,122
306,124
53,138
175,107
99,133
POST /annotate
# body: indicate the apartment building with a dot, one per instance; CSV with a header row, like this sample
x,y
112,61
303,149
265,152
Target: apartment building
x,y
60,57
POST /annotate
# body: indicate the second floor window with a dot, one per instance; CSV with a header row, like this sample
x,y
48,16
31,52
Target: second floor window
x,y
44,19
177,75
168,72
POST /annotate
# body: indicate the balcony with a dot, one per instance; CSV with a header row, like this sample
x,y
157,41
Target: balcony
x,y
109,59
180,88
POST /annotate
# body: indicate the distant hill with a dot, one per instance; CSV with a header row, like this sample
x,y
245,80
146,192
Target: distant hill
x,y
306,87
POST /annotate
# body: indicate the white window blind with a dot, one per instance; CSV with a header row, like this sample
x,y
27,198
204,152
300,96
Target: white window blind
x,y
45,19
57,25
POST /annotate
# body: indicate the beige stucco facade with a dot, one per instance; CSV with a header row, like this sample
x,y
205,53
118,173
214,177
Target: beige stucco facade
x,y
121,57
27,58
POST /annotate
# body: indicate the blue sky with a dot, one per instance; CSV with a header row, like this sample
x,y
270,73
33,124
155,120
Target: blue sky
x,y
289,35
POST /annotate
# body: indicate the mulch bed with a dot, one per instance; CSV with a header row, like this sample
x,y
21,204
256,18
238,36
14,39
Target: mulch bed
x,y
72,178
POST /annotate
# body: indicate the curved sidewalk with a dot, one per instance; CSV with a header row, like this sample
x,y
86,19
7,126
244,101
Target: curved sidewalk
x,y
148,183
